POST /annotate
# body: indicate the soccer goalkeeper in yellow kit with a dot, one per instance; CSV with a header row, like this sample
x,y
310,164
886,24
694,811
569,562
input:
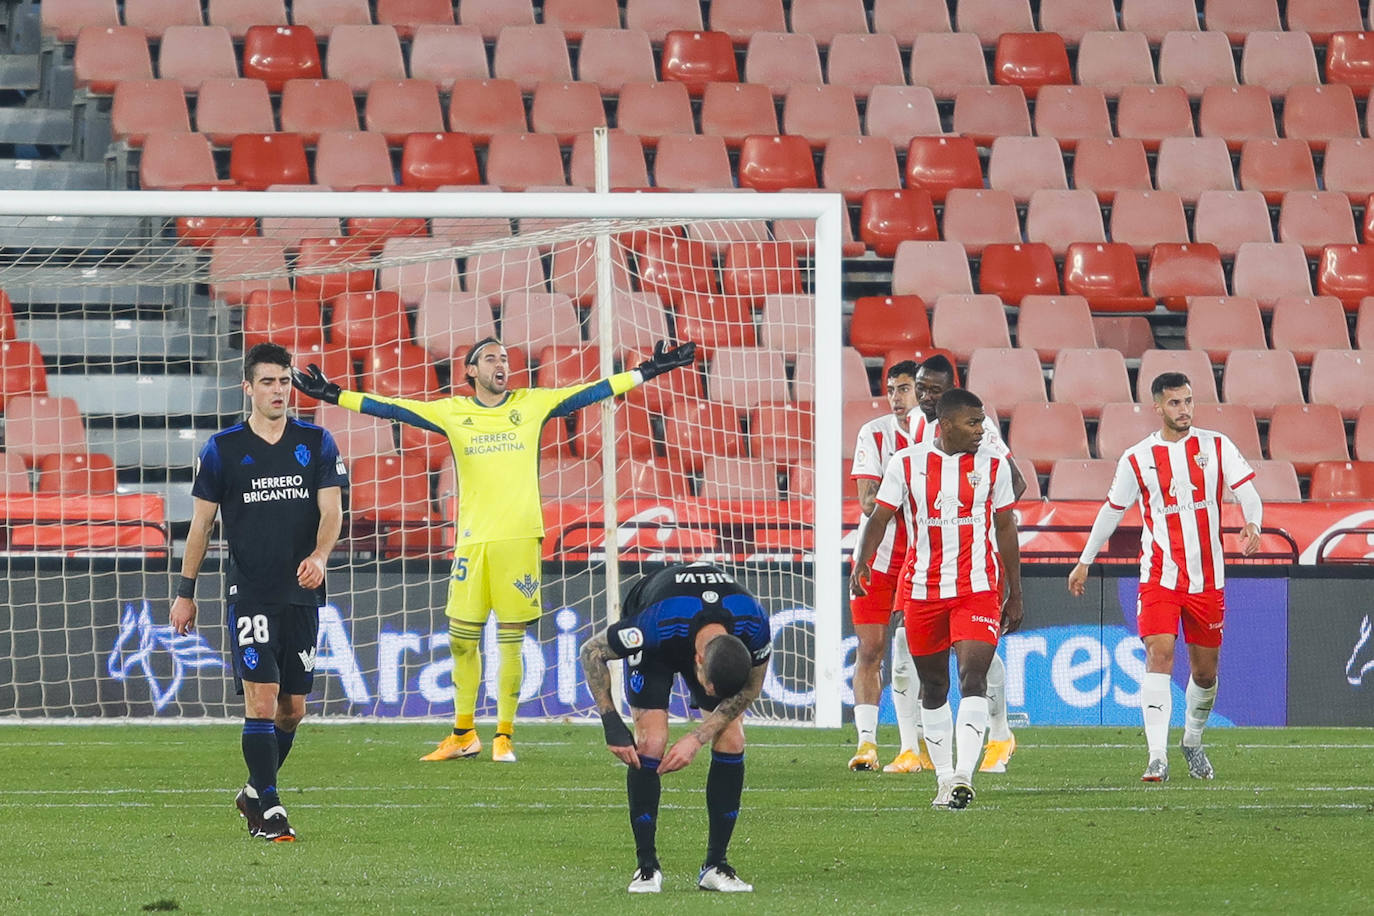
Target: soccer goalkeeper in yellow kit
x,y
497,558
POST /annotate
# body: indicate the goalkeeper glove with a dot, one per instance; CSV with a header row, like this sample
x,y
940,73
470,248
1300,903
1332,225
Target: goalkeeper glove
x,y
315,384
665,359
617,735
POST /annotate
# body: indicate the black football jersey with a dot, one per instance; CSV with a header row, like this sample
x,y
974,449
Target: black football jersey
x,y
267,498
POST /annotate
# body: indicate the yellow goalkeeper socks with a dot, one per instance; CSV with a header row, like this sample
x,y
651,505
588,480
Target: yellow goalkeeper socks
x,y
509,642
467,671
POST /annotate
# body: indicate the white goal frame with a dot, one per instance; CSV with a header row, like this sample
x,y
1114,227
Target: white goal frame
x,y
825,210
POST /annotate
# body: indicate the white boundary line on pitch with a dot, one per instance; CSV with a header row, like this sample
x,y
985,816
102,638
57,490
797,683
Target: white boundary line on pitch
x,y
399,742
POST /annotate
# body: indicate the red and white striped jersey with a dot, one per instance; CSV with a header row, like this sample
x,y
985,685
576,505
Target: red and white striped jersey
x,y
1178,485
949,502
923,430
879,439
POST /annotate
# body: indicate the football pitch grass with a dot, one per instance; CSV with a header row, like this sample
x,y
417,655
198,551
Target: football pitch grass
x,y
136,818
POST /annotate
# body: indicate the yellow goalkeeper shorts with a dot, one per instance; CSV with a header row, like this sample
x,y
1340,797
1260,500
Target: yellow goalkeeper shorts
x,y
500,576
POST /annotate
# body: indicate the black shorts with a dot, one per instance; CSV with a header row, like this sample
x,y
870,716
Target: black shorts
x,y
649,684
274,644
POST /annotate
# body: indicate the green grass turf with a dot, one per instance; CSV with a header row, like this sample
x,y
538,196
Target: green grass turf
x,y
127,819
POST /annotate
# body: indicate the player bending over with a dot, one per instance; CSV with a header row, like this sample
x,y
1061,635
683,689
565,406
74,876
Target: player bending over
x,y
497,557
277,480
1176,474
878,439
956,492
934,378
698,622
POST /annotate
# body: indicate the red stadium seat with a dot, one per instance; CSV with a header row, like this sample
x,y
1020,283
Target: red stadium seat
x,y
638,321
1112,61
1236,114
899,113
445,321
363,321
1315,219
745,377
937,164
824,113
1107,166
275,54
316,253
1190,166
860,61
1346,272
347,160
1071,114
907,19
1014,271
75,473
1306,434
757,269
1220,324
782,60
234,258
228,107
884,323
1343,378
981,217
1074,18
360,55
782,432
482,108
738,478
312,107
1006,377
990,18
1364,433
1275,167
322,15
1350,60
1318,115
1090,379
1261,380
1156,18
1044,433
416,270
696,59
1236,421
521,161
697,430
963,324
106,55
612,57
530,55
1277,61
1121,426
1348,166
1081,478
491,16
1143,219
1343,480
944,63
1105,273
1060,218
566,109
634,439
1050,324
689,162
576,17
64,19
141,107
1024,165
444,53
1307,324
737,110
539,320
397,108
495,273
175,160
1276,481
389,490
1179,271
888,217
1195,60
431,160
1151,114
1229,219
257,161
1192,363
37,425
930,269
659,17
673,267
399,370
987,112
21,370
6,317
283,317
742,18
1031,60
201,231
828,19
654,110
775,163
239,15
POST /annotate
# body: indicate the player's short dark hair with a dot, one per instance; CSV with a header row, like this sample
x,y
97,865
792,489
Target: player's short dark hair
x,y
956,399
905,367
939,364
270,353
1167,380
725,664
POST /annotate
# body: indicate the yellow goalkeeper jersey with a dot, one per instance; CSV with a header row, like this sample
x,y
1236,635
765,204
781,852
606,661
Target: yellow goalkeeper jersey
x,y
495,449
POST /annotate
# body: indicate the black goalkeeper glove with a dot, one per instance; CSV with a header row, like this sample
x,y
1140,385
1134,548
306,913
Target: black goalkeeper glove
x,y
617,735
664,359
315,384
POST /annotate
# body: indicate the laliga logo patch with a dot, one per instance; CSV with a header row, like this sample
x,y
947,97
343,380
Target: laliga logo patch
x,y
250,658
632,637
308,659
302,455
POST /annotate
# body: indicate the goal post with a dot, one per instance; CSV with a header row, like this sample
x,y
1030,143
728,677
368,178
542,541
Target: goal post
x,y
806,588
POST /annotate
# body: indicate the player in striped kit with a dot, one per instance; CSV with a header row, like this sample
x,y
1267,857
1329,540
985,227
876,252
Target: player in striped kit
x,y
957,496
935,377
878,440
1177,475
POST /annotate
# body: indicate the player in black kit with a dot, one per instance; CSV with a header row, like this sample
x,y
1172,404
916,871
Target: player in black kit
x,y
277,481
698,622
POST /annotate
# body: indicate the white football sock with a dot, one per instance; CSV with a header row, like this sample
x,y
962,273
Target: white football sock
x,y
905,692
939,728
1156,705
866,721
1199,700
968,734
998,729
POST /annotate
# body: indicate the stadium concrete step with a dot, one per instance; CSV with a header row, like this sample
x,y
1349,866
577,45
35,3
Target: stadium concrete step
x,y
107,338
77,232
149,448
107,288
19,71
150,396
45,126
46,175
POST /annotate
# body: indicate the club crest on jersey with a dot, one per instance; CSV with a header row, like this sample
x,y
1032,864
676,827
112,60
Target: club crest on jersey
x,y
1201,459
974,478
302,455
526,586
308,659
515,418
250,658
636,681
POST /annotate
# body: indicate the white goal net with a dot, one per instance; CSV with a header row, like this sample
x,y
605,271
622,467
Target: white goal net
x,y
131,313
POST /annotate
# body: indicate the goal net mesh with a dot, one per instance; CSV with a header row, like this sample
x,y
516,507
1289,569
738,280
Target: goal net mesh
x,y
124,354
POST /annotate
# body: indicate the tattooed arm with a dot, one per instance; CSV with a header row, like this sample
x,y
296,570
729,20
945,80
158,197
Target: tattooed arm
x,y
596,658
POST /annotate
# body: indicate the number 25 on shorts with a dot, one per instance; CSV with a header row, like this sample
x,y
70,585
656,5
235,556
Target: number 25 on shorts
x,y
460,568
